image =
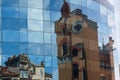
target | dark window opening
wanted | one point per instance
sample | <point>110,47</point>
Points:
<point>64,47</point>
<point>74,52</point>
<point>82,54</point>
<point>63,32</point>
<point>75,71</point>
<point>102,78</point>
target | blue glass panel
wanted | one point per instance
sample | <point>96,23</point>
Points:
<point>0,48</point>
<point>55,74</point>
<point>35,25</point>
<point>0,36</point>
<point>0,2</point>
<point>48,70</point>
<point>47,26</point>
<point>103,19</point>
<point>10,48</point>
<point>0,60</point>
<point>76,2</point>
<point>10,23</point>
<point>46,4</point>
<point>23,3</point>
<point>0,11</point>
<point>10,2</point>
<point>23,36</point>
<point>55,15</point>
<point>54,62</point>
<point>35,3</point>
<point>105,29</point>
<point>53,38</point>
<point>84,3</point>
<point>36,37</point>
<point>54,50</point>
<point>5,58</point>
<point>23,24</point>
<point>36,59</point>
<point>57,3</point>
<point>0,23</point>
<point>93,5</point>
<point>47,37</point>
<point>24,48</point>
<point>35,14</point>
<point>10,36</point>
<point>73,7</point>
<point>84,10</point>
<point>48,49</point>
<point>11,12</point>
<point>48,61</point>
<point>23,12</point>
<point>52,24</point>
<point>46,15</point>
<point>36,49</point>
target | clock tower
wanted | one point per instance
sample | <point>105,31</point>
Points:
<point>77,44</point>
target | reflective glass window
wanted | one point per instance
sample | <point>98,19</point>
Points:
<point>0,48</point>
<point>93,15</point>
<point>84,10</point>
<point>23,12</point>
<point>23,24</point>
<point>54,50</point>
<point>36,37</point>
<point>0,2</point>
<point>0,11</point>
<point>47,37</point>
<point>35,25</point>
<point>23,36</point>
<point>35,14</point>
<point>47,26</point>
<point>52,24</point>
<point>24,48</point>
<point>0,60</point>
<point>46,4</point>
<point>103,19</point>
<point>74,6</point>
<point>93,5</point>
<point>4,59</point>
<point>76,2</point>
<point>11,12</point>
<point>36,49</point>
<point>35,3</point>
<point>46,15</point>
<point>54,62</point>
<point>23,3</point>
<point>53,38</point>
<point>48,49</point>
<point>103,10</point>
<point>55,74</point>
<point>84,3</point>
<point>36,59</point>
<point>48,61</point>
<point>10,36</point>
<point>49,71</point>
<point>0,36</point>
<point>10,48</point>
<point>10,23</point>
<point>105,29</point>
<point>23,74</point>
<point>55,15</point>
<point>57,3</point>
<point>10,2</point>
<point>0,23</point>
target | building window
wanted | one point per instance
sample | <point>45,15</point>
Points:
<point>64,48</point>
<point>41,73</point>
<point>75,71</point>
<point>24,74</point>
<point>102,78</point>
<point>74,52</point>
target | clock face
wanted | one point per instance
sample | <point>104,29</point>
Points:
<point>77,28</point>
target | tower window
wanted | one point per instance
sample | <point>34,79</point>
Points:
<point>64,47</point>
<point>74,52</point>
<point>75,71</point>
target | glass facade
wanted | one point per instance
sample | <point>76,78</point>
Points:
<point>27,27</point>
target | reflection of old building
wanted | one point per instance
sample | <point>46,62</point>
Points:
<point>78,52</point>
<point>21,68</point>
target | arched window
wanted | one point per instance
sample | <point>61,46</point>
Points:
<point>64,48</point>
<point>74,52</point>
<point>75,71</point>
